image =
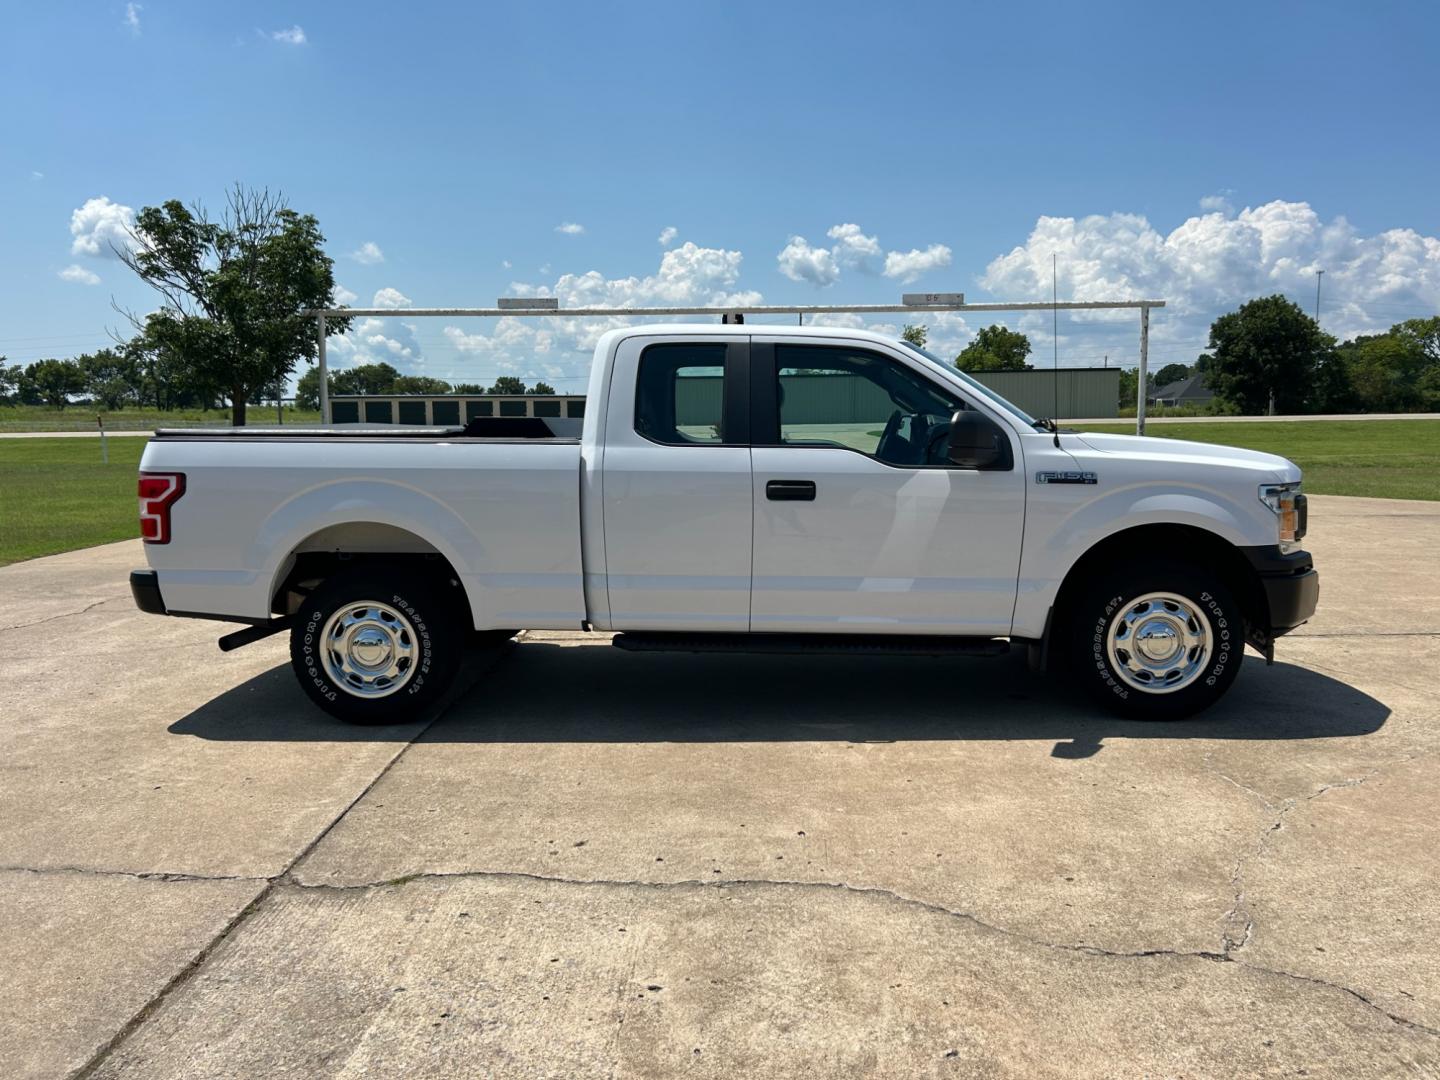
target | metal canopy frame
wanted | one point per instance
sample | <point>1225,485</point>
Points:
<point>1143,306</point>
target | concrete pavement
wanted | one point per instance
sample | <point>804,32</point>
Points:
<point>641,864</point>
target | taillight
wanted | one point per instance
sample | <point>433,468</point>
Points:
<point>158,492</point>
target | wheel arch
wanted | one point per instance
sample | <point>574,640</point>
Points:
<point>338,547</point>
<point>1185,542</point>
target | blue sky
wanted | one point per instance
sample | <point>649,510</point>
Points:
<point>802,153</point>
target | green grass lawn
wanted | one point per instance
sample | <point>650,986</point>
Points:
<point>77,418</point>
<point>55,495</point>
<point>1387,459</point>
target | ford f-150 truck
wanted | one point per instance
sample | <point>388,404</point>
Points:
<point>734,488</point>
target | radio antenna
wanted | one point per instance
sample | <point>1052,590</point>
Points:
<point>1055,345</point>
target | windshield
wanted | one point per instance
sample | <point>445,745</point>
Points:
<point>979,387</point>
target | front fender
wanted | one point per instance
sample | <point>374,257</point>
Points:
<point>1058,534</point>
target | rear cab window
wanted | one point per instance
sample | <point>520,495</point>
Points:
<point>680,394</point>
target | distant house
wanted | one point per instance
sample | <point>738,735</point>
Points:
<point>1191,391</point>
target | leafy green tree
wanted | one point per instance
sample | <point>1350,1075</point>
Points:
<point>56,380</point>
<point>1268,349</point>
<point>541,388</point>
<point>995,348</point>
<point>234,290</point>
<point>467,388</point>
<point>508,384</point>
<point>11,379</point>
<point>1172,373</point>
<point>362,379</point>
<point>419,384</point>
<point>1398,371</point>
<point>1129,380</point>
<point>915,334</point>
<point>307,390</point>
<point>112,377</point>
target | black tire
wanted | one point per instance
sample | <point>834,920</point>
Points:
<point>428,622</point>
<point>1113,596</point>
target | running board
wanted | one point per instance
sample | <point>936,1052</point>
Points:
<point>793,644</point>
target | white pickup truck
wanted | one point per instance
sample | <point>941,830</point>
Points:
<point>738,488</point>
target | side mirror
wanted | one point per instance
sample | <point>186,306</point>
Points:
<point>976,442</point>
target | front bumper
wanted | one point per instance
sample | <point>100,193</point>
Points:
<point>145,588</point>
<point>1292,587</point>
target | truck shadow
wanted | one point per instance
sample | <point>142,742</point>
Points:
<point>546,692</point>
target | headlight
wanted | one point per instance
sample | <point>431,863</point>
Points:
<point>1289,507</point>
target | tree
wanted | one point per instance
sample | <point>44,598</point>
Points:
<point>541,388</point>
<point>419,384</point>
<point>995,348</point>
<point>1172,373</point>
<point>1268,349</point>
<point>363,379</point>
<point>11,380</point>
<point>1397,371</point>
<point>467,388</point>
<point>112,377</point>
<point>234,290</point>
<point>55,381</point>
<point>307,390</point>
<point>915,334</point>
<point>507,384</point>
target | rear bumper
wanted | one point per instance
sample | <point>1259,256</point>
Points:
<point>1291,584</point>
<point>145,588</point>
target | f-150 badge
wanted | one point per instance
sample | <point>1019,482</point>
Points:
<point>1066,478</point>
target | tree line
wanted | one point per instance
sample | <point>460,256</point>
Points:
<point>1269,355</point>
<point>381,378</point>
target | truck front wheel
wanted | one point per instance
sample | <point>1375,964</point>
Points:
<point>1155,641</point>
<point>370,647</point>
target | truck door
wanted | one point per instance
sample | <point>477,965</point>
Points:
<point>676,484</point>
<point>861,523</point>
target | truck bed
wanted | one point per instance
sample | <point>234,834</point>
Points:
<point>481,429</point>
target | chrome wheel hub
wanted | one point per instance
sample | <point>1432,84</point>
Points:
<point>369,649</point>
<point>1159,643</point>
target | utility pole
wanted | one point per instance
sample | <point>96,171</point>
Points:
<point>1318,275</point>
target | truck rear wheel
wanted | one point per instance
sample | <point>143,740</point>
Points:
<point>372,647</point>
<point>1159,640</point>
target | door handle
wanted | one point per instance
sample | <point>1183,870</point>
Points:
<point>790,491</point>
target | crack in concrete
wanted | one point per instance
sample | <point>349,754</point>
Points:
<point>886,894</point>
<point>185,974</point>
<point>139,875</point>
<point>62,615</point>
<point>1230,941</point>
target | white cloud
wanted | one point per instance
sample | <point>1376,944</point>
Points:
<point>1211,263</point>
<point>344,297</point>
<point>390,298</point>
<point>559,348</point>
<point>372,340</point>
<point>570,228</point>
<point>505,264</point>
<point>909,265</point>
<point>37,175</point>
<point>801,262</point>
<point>78,275</point>
<point>853,249</point>
<point>1217,204</point>
<point>667,235</point>
<point>368,253</point>
<point>293,36</point>
<point>99,224</point>
<point>132,17</point>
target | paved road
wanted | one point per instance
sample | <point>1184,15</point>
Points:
<point>641,865</point>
